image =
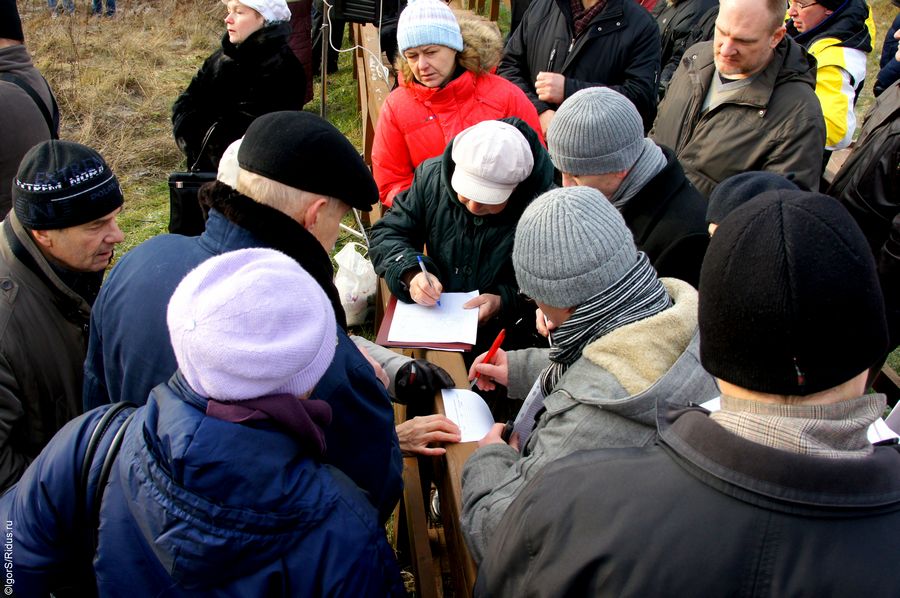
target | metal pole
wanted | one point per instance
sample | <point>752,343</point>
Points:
<point>326,42</point>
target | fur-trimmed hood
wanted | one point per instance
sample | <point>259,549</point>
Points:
<point>482,46</point>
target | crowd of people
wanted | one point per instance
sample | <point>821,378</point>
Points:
<point>634,189</point>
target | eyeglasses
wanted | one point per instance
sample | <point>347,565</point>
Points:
<point>800,5</point>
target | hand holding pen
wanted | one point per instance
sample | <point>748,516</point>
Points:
<point>425,288</point>
<point>491,368</point>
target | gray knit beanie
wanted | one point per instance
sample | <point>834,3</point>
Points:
<point>595,131</point>
<point>571,243</point>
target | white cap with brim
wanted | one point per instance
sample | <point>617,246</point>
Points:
<point>491,159</point>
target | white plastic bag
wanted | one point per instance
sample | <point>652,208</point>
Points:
<point>355,281</point>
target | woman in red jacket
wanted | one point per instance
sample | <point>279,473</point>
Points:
<point>446,84</point>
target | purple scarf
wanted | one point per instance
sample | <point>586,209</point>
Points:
<point>303,418</point>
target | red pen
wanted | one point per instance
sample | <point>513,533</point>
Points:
<point>491,352</point>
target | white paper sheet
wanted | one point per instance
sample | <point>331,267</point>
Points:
<point>468,411</point>
<point>447,323</point>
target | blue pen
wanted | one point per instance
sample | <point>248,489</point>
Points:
<point>427,277</point>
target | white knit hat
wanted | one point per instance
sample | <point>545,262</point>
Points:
<point>271,10</point>
<point>490,159</point>
<point>251,323</point>
<point>427,22</point>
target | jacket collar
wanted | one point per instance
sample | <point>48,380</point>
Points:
<point>725,460</point>
<point>259,45</point>
<point>236,222</point>
<point>458,91</point>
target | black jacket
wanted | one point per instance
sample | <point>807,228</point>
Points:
<point>619,50</point>
<point>676,20</point>
<point>233,87</point>
<point>668,220</point>
<point>868,184</point>
<point>466,252</point>
<point>702,513</point>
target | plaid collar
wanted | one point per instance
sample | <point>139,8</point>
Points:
<point>582,16</point>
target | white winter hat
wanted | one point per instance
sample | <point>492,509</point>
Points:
<point>271,10</point>
<point>490,159</point>
<point>251,323</point>
<point>228,165</point>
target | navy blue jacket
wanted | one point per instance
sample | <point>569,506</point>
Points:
<point>129,351</point>
<point>196,506</point>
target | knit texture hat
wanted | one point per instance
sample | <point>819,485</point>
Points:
<point>739,189</point>
<point>789,297</point>
<point>427,22</point>
<point>10,23</point>
<point>571,243</point>
<point>271,10</point>
<point>61,184</point>
<point>490,159</point>
<point>228,165</point>
<point>595,131</point>
<point>306,152</point>
<point>251,323</point>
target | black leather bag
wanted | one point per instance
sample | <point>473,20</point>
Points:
<point>186,216</point>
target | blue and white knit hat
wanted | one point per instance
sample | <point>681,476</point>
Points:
<point>426,22</point>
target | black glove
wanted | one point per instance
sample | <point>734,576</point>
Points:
<point>418,380</point>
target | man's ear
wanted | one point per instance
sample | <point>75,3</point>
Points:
<point>311,214</point>
<point>778,36</point>
<point>42,238</point>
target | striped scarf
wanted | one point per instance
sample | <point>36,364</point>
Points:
<point>635,296</point>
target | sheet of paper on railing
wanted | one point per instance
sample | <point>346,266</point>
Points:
<point>468,411</point>
<point>445,328</point>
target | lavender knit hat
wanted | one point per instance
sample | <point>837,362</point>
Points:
<point>251,323</point>
<point>427,22</point>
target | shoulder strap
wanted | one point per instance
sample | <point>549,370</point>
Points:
<point>100,430</point>
<point>52,120</point>
<point>203,145</point>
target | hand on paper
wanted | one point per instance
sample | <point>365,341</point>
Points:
<point>544,327</point>
<point>417,433</point>
<point>488,306</point>
<point>379,371</point>
<point>550,87</point>
<point>491,373</point>
<point>424,293</point>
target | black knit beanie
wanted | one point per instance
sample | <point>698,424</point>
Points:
<point>832,4</point>
<point>306,152</point>
<point>61,184</point>
<point>10,23</point>
<point>739,189</point>
<point>790,302</point>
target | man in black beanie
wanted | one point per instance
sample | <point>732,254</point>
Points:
<point>778,493</point>
<point>54,247</point>
<point>28,112</point>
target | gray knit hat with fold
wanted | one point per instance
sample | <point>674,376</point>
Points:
<point>595,131</point>
<point>571,243</point>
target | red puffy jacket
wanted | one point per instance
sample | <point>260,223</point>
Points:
<point>417,123</point>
